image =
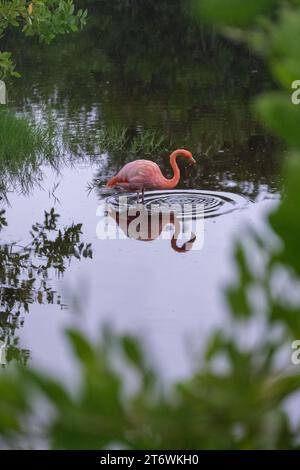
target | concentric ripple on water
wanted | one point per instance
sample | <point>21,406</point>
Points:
<point>187,203</point>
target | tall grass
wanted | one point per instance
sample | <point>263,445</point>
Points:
<point>20,140</point>
<point>113,139</point>
<point>147,142</point>
<point>23,147</point>
<point>144,142</point>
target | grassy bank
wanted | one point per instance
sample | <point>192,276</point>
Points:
<point>20,140</point>
<point>23,147</point>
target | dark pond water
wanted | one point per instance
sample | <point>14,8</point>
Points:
<point>124,71</point>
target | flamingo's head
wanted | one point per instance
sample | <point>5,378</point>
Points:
<point>187,154</point>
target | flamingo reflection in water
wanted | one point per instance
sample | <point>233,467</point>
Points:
<point>143,224</point>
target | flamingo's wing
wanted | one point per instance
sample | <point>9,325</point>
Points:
<point>139,174</point>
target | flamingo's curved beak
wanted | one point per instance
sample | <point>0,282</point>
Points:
<point>192,160</point>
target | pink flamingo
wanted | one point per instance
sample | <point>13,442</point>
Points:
<point>145,174</point>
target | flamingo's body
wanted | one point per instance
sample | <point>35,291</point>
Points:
<point>145,174</point>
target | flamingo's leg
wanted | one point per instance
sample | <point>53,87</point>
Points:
<point>143,190</point>
<point>138,197</point>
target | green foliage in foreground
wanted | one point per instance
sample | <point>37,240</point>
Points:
<point>238,403</point>
<point>236,13</point>
<point>43,18</point>
<point>236,408</point>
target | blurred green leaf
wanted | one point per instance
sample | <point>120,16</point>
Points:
<point>51,389</point>
<point>277,111</point>
<point>81,347</point>
<point>237,294</point>
<point>214,346</point>
<point>132,351</point>
<point>285,221</point>
<point>231,12</point>
<point>14,403</point>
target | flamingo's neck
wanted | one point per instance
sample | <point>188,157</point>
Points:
<point>172,182</point>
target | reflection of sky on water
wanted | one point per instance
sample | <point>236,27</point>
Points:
<point>172,300</point>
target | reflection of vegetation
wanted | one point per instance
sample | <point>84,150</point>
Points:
<point>24,272</point>
<point>145,142</point>
<point>123,71</point>
<point>23,146</point>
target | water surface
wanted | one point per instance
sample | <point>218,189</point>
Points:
<point>116,74</point>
